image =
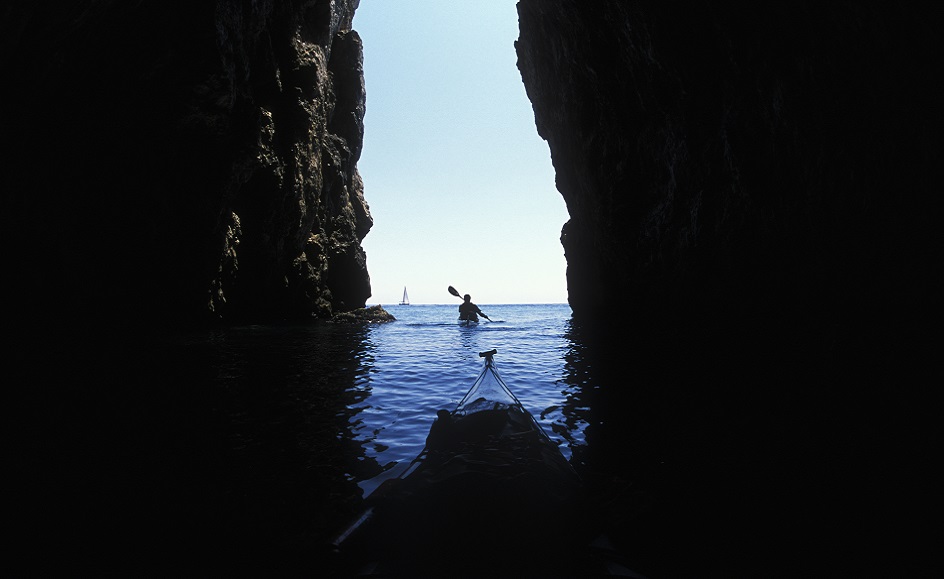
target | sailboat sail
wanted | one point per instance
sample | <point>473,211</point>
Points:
<point>406,299</point>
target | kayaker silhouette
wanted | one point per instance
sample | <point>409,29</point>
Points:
<point>468,310</point>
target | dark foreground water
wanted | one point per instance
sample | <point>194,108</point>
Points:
<point>244,450</point>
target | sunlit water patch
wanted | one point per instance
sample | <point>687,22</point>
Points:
<point>426,361</point>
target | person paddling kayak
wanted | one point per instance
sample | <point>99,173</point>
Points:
<point>469,311</point>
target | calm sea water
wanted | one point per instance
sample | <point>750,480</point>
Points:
<point>426,361</point>
<point>288,426</point>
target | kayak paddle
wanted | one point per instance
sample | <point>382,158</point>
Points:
<point>456,293</point>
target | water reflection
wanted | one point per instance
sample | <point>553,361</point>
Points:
<point>628,402</point>
<point>682,433</point>
<point>278,439</point>
<point>635,400</point>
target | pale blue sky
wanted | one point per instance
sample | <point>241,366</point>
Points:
<point>460,185</point>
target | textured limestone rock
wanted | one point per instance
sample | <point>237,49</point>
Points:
<point>371,315</point>
<point>186,161</point>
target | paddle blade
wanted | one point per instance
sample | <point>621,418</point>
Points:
<point>454,292</point>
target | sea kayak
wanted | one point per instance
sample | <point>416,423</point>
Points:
<point>490,495</point>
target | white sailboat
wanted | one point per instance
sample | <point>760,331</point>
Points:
<point>406,299</point>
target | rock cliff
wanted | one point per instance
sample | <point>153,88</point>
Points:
<point>177,161</point>
<point>763,168</point>
<point>753,194</point>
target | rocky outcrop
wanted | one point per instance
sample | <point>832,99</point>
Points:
<point>369,315</point>
<point>184,161</point>
<point>770,169</point>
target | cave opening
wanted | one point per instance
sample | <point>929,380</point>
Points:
<point>459,182</point>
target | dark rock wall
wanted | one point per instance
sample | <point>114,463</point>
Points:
<point>184,160</point>
<point>751,166</point>
<point>754,253</point>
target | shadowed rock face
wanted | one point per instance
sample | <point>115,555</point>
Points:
<point>763,168</point>
<point>182,161</point>
<point>753,197</point>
